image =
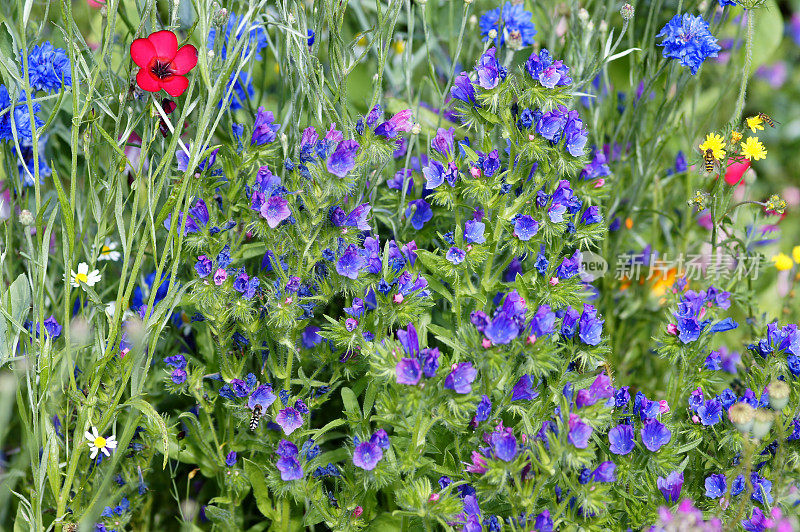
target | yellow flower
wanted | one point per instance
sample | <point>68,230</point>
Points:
<point>796,254</point>
<point>782,262</point>
<point>716,144</point>
<point>399,46</point>
<point>735,137</point>
<point>755,123</point>
<point>753,149</point>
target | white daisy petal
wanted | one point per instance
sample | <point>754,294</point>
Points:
<point>94,453</point>
<point>105,451</point>
<point>88,436</point>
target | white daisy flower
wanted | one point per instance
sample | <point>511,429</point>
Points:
<point>84,275</point>
<point>98,443</point>
<point>108,251</point>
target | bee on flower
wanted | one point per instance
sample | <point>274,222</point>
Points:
<point>755,123</point>
<point>715,143</point>
<point>98,443</point>
<point>84,276</point>
<point>109,251</point>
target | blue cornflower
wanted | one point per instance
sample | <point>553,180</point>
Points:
<point>686,37</point>
<point>256,36</point>
<point>511,22</point>
<point>49,68</point>
<point>26,165</point>
<point>22,119</point>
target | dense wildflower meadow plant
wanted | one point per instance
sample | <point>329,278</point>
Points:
<point>395,265</point>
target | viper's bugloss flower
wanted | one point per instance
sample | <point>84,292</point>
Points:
<point>262,396</point>
<point>504,445</point>
<point>463,89</point>
<point>343,159</point>
<point>419,212</point>
<point>670,486</point>
<point>230,459</point>
<point>161,64</point>
<point>655,434</point>
<point>461,377</point>
<point>591,216</point>
<point>511,22</point>
<point>444,142</point>
<point>49,68</point>
<point>288,464</point>
<point>490,71</point>
<point>366,455</point>
<point>436,173</point>
<point>264,128</point>
<point>483,410</point>
<point>350,262</point>
<point>401,176</point>
<point>686,38</point>
<point>570,266</point>
<point>549,73</point>
<point>579,432</point>
<point>289,419</point>
<point>473,232</point>
<point>621,440</point>
<point>456,255</point>
<point>400,122</point>
<point>716,486</point>
<point>590,326</point>
<point>274,210</point>
<point>408,371</point>
<point>525,227</point>
<point>710,412</point>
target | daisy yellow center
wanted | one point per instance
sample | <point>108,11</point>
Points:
<point>105,250</point>
<point>81,277</point>
<point>99,442</point>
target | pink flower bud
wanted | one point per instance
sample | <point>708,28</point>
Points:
<point>397,298</point>
<point>672,329</point>
<point>599,183</point>
<point>357,511</point>
<point>475,172</point>
<point>486,343</point>
<point>434,497</point>
<point>553,281</point>
<point>531,339</point>
<point>663,406</point>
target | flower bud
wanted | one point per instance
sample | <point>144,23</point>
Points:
<point>583,15</point>
<point>627,12</point>
<point>26,218</point>
<point>778,394</point>
<point>468,2</point>
<point>415,129</point>
<point>762,422</point>
<point>492,34</point>
<point>741,415</point>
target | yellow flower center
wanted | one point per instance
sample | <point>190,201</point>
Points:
<point>99,442</point>
<point>105,250</point>
<point>81,277</point>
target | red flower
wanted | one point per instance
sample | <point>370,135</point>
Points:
<point>162,65</point>
<point>736,170</point>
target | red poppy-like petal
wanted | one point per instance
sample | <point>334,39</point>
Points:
<point>175,85</point>
<point>147,81</point>
<point>185,60</point>
<point>142,52</point>
<point>736,170</point>
<point>165,43</point>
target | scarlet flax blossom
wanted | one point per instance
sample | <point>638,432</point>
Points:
<point>161,64</point>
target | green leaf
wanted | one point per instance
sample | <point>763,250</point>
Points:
<point>767,33</point>
<point>220,516</point>
<point>351,403</point>
<point>260,491</point>
<point>147,409</point>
